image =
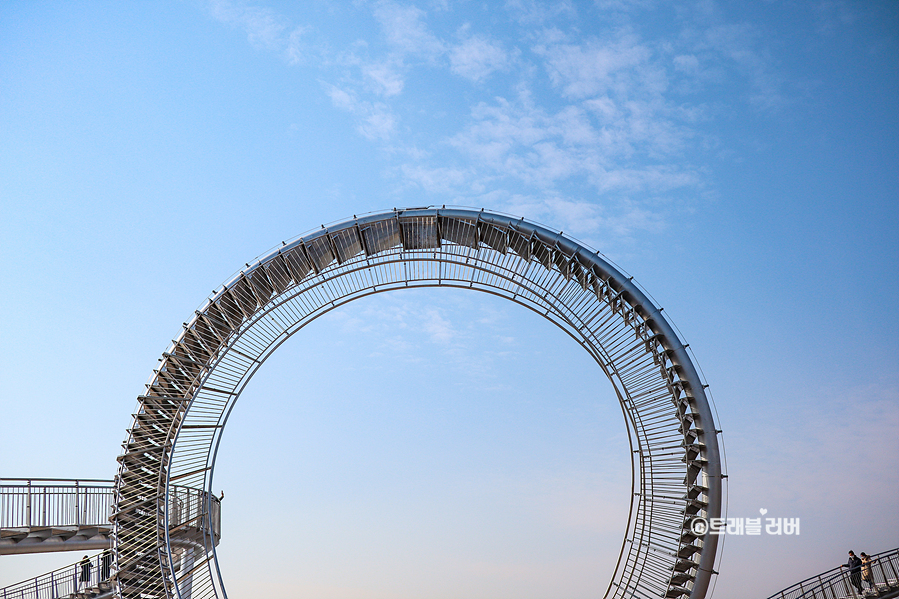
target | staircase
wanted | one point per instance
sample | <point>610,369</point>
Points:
<point>88,579</point>
<point>836,583</point>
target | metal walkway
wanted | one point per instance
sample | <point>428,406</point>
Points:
<point>40,515</point>
<point>47,515</point>
<point>838,584</point>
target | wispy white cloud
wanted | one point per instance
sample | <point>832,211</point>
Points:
<point>438,328</point>
<point>439,179</point>
<point>624,5</point>
<point>477,57</point>
<point>534,12</point>
<point>736,43</point>
<point>297,51</point>
<point>686,63</point>
<point>405,30</point>
<point>605,115</point>
<point>268,29</point>
<point>715,51</point>
<point>384,78</point>
<point>375,121</point>
<point>599,67</point>
<point>832,15</point>
<point>522,141</point>
<point>621,219</point>
<point>263,26</point>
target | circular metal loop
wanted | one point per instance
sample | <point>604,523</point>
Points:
<point>177,429</point>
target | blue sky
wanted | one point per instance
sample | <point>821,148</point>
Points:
<point>739,159</point>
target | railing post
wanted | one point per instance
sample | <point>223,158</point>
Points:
<point>28,507</point>
<point>892,567</point>
<point>77,511</point>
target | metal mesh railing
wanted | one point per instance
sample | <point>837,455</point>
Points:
<point>92,573</point>
<point>879,577</point>
<point>47,502</point>
<point>51,502</point>
<point>195,515</point>
<point>188,511</point>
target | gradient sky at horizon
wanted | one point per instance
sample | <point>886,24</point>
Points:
<point>740,160</point>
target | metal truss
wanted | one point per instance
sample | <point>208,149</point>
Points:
<point>178,425</point>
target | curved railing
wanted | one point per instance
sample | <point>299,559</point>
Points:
<point>92,577</point>
<point>837,583</point>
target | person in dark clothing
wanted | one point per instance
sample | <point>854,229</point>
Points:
<point>105,564</point>
<point>855,571</point>
<point>85,578</point>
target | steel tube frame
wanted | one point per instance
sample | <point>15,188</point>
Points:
<point>174,440</point>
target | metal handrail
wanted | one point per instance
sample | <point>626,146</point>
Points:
<point>188,514</point>
<point>836,582</point>
<point>66,581</point>
<point>76,503</point>
<point>55,502</point>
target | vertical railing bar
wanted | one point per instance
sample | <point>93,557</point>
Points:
<point>28,505</point>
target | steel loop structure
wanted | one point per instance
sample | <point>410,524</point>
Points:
<point>178,426</point>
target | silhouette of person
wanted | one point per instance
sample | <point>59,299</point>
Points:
<point>85,578</point>
<point>855,571</point>
<point>105,564</point>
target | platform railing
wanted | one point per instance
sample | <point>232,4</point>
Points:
<point>46,502</point>
<point>837,583</point>
<point>187,509</point>
<point>92,573</point>
<point>193,515</point>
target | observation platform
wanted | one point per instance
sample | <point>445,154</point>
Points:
<point>40,515</point>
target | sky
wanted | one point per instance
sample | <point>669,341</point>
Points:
<point>740,160</point>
